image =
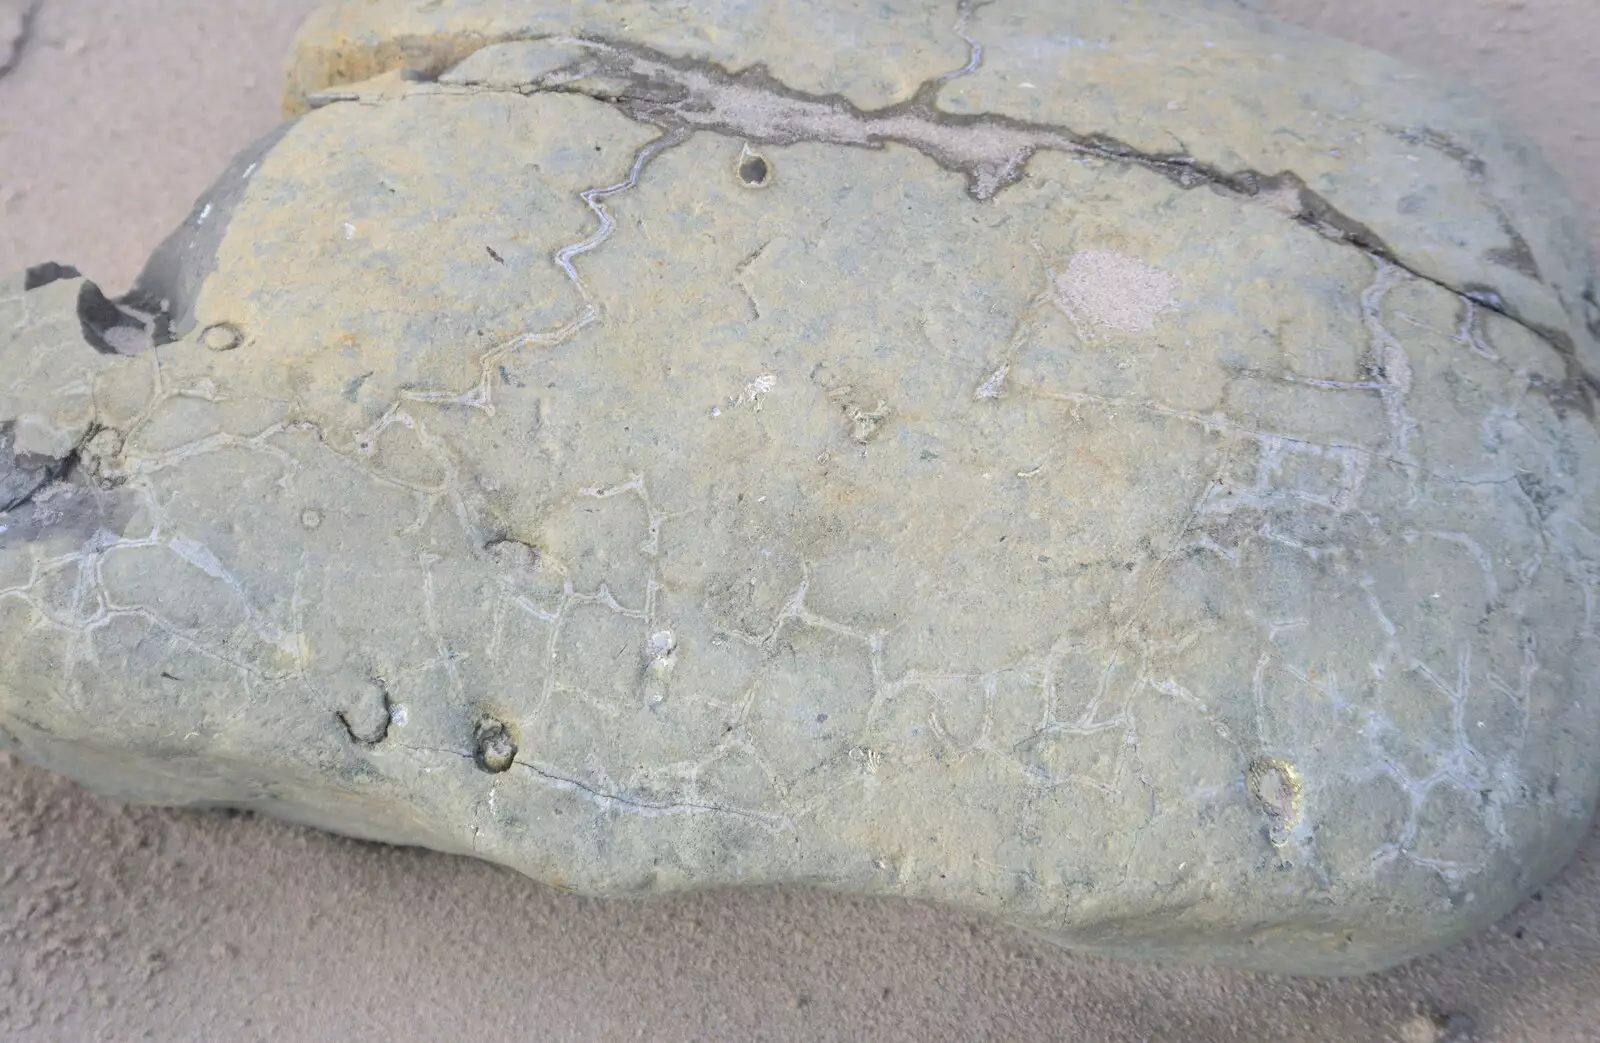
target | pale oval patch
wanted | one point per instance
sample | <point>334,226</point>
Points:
<point>1109,289</point>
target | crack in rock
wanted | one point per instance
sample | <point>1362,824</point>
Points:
<point>991,150</point>
<point>24,475</point>
<point>32,477</point>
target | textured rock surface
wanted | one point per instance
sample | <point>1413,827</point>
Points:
<point>1132,555</point>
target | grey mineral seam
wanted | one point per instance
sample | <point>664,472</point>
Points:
<point>992,151</point>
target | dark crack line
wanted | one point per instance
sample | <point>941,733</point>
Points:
<point>24,37</point>
<point>991,150</point>
<point>35,482</point>
<point>464,755</point>
<point>22,480</point>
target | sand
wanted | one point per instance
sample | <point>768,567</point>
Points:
<point>122,923</point>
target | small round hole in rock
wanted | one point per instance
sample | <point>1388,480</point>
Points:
<point>754,170</point>
<point>493,748</point>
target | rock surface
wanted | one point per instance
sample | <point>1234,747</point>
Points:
<point>1128,478</point>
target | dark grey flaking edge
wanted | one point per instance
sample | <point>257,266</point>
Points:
<point>99,316</point>
<point>23,475</point>
<point>171,279</point>
<point>41,275</point>
<point>158,310</point>
<point>82,507</point>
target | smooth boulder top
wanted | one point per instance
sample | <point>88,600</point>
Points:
<point>1422,169</point>
<point>1120,468</point>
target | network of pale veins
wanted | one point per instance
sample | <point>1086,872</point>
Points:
<point>91,607</point>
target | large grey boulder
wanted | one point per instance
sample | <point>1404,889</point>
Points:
<point>1124,468</point>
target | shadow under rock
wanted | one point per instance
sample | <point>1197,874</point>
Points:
<point>275,931</point>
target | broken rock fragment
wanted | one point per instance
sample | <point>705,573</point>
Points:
<point>1128,472</point>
